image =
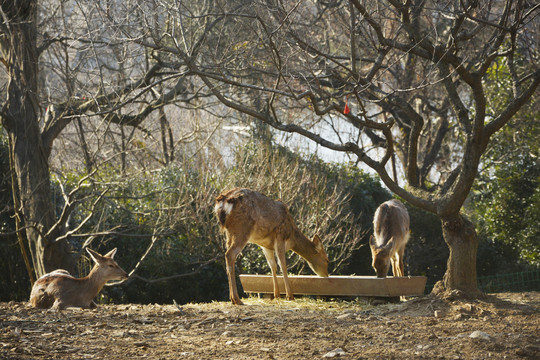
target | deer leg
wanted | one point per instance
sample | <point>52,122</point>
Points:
<point>395,265</point>
<point>237,238</point>
<point>397,262</point>
<point>401,252</point>
<point>58,305</point>
<point>271,259</point>
<point>280,252</point>
<point>230,259</point>
<point>399,265</point>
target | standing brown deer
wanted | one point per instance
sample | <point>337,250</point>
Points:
<point>58,289</point>
<point>391,228</point>
<point>249,216</point>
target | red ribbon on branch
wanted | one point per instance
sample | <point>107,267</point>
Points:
<point>346,110</point>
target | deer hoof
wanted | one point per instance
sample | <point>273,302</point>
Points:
<point>237,301</point>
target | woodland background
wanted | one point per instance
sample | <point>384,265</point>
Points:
<point>336,200</point>
<point>146,144</point>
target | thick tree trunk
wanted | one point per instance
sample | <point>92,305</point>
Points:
<point>34,193</point>
<point>460,236</point>
<point>21,119</point>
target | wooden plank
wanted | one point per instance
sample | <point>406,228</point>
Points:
<point>338,285</point>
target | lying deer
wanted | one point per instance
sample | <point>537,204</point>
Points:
<point>391,227</point>
<point>58,289</point>
<point>249,216</point>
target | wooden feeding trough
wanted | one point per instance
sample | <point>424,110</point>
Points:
<point>338,285</point>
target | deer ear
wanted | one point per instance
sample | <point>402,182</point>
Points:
<point>389,244</point>
<point>318,243</point>
<point>372,242</point>
<point>110,254</point>
<point>94,255</point>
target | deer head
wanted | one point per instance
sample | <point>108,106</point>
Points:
<point>381,256</point>
<point>106,268</point>
<point>319,262</point>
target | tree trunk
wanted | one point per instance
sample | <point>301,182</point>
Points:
<point>30,160</point>
<point>460,236</point>
<point>33,182</point>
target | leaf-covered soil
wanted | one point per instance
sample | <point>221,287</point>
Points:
<point>501,326</point>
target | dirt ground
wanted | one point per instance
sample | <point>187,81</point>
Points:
<point>501,326</point>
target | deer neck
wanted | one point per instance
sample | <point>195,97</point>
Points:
<point>302,245</point>
<point>93,282</point>
<point>384,240</point>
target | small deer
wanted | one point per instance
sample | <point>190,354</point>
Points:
<point>249,216</point>
<point>58,289</point>
<point>391,227</point>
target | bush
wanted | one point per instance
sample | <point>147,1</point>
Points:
<point>166,212</point>
<point>506,209</point>
<point>316,196</point>
<point>171,211</point>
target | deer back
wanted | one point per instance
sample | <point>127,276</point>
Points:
<point>391,233</point>
<point>391,221</point>
<point>246,211</point>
